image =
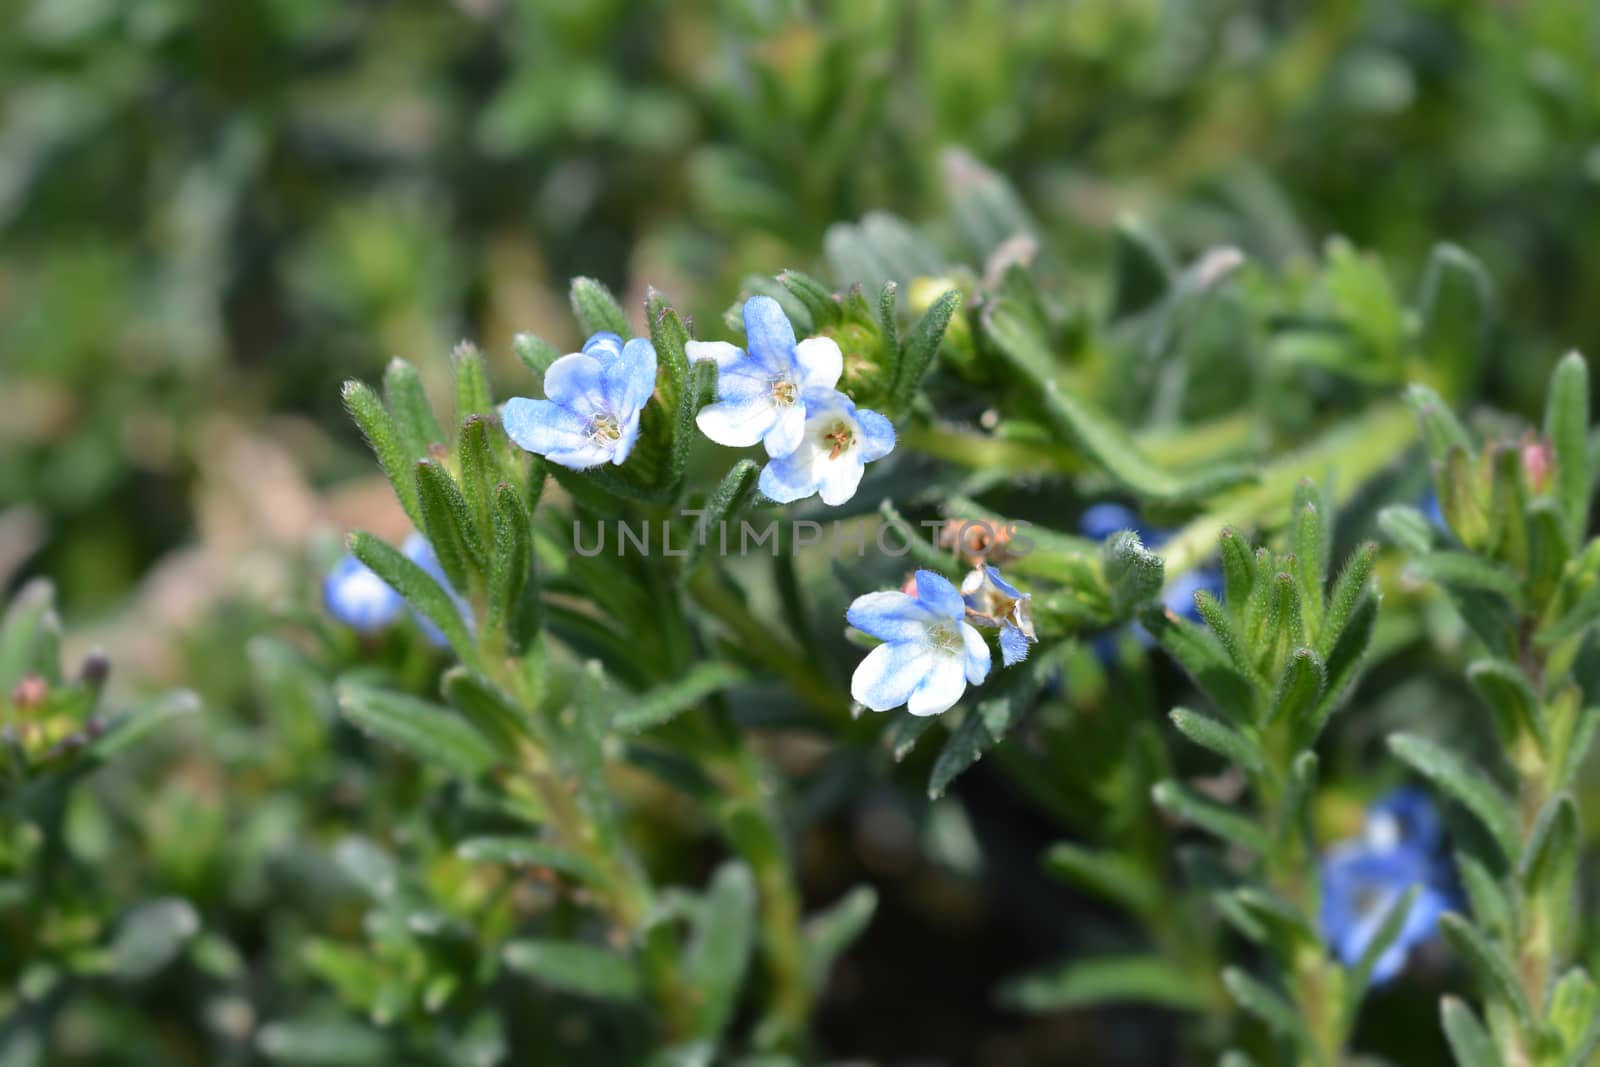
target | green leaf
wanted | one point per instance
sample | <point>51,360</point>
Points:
<point>1456,305</point>
<point>1511,697</point>
<point>418,588</point>
<point>1549,870</point>
<point>1348,591</point>
<point>447,521</point>
<point>1441,430</point>
<point>327,1042</point>
<point>1142,268</point>
<point>1359,977</point>
<point>816,297</point>
<point>1469,1041</point>
<point>480,473</point>
<point>1100,437</point>
<point>829,932</point>
<point>129,728</point>
<point>424,731</point>
<point>513,593</point>
<point>1566,424</point>
<point>1464,570</point>
<point>596,309</point>
<point>1265,1003</point>
<point>921,346</point>
<point>536,353</point>
<point>1085,983</point>
<point>719,950</point>
<point>1209,816</point>
<point>661,705</point>
<point>698,387</point>
<point>1408,528</point>
<point>490,711</point>
<point>473,396</point>
<point>151,935</point>
<point>529,852</point>
<point>725,503</point>
<point>1106,874</point>
<point>1200,655</point>
<point>574,967</point>
<point>408,404</point>
<point>1491,910</point>
<point>1575,1011</point>
<point>1298,697</point>
<point>888,322</point>
<point>1496,974</point>
<point>1470,786</point>
<point>1133,573</point>
<point>1220,738</point>
<point>383,437</point>
<point>670,338</point>
<point>1238,567</point>
<point>1228,636</point>
<point>1311,537</point>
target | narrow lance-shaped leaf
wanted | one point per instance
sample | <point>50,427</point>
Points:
<point>1495,973</point>
<point>832,930</point>
<point>417,587</point>
<point>378,426</point>
<point>513,595</point>
<point>670,338</point>
<point>596,309</point>
<point>536,353</point>
<point>473,396</point>
<point>1469,1041</point>
<point>713,531</point>
<point>1467,784</point>
<point>422,730</point>
<point>1311,539</point>
<point>1566,424</point>
<point>719,950</point>
<point>448,523</point>
<point>408,403</point>
<point>575,967</point>
<point>816,297</point>
<point>665,702</point>
<point>491,712</point>
<point>1512,699</point>
<point>1220,738</point>
<point>1210,816</point>
<point>920,348</point>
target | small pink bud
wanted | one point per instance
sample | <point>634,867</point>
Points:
<point>1538,460</point>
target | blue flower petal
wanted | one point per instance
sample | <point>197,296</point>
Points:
<point>890,673</point>
<point>628,433</point>
<point>1001,584</point>
<point>553,431</point>
<point>977,659</point>
<point>576,382</point>
<point>877,435</point>
<point>890,616</point>
<point>768,335</point>
<point>936,591</point>
<point>1178,597</point>
<point>744,382</point>
<point>628,381</point>
<point>604,346</point>
<point>1100,521</point>
<point>787,479</point>
<point>357,597</point>
<point>1013,645</point>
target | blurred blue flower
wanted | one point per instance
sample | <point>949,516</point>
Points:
<point>419,551</point>
<point>837,443</point>
<point>1100,521</point>
<point>1429,504</point>
<point>993,601</point>
<point>591,415</point>
<point>763,393</point>
<point>1402,845</point>
<point>929,651</point>
<point>357,597</point>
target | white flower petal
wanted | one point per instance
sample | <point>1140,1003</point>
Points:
<point>721,353</point>
<point>821,362</point>
<point>890,674</point>
<point>940,688</point>
<point>737,425</point>
<point>976,661</point>
<point>840,478</point>
<point>787,431</point>
<point>890,616</point>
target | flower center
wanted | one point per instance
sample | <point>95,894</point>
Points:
<point>944,637</point>
<point>603,430</point>
<point>839,437</point>
<point>784,392</point>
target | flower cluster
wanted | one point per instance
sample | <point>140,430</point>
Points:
<point>1401,846</point>
<point>782,393</point>
<point>357,597</point>
<point>1101,521</point>
<point>931,645</point>
<point>778,391</point>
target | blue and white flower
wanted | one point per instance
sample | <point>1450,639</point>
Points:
<point>762,392</point>
<point>993,601</point>
<point>1401,846</point>
<point>357,597</point>
<point>591,414</point>
<point>836,444</point>
<point>929,652</point>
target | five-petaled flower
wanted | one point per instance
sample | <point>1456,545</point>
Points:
<point>929,651</point>
<point>993,601</point>
<point>1401,846</point>
<point>591,414</point>
<point>838,441</point>
<point>762,393</point>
